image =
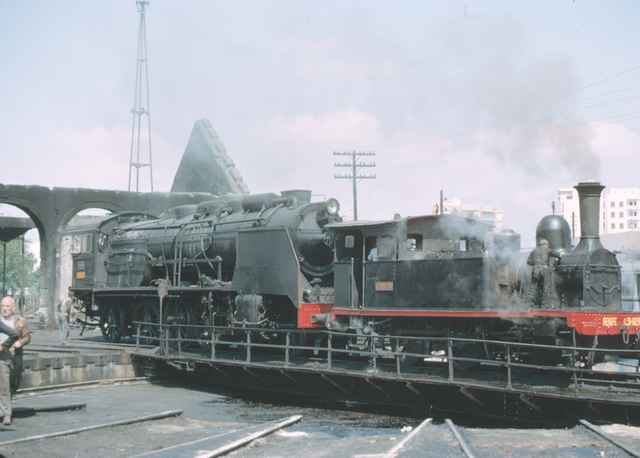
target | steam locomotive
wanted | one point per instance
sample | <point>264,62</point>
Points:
<point>234,259</point>
<point>279,260</point>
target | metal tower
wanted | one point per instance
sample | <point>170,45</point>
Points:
<point>140,151</point>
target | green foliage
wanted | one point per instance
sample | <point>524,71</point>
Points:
<point>21,270</point>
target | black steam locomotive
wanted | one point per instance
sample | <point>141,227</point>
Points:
<point>282,261</point>
<point>444,275</point>
<point>235,259</point>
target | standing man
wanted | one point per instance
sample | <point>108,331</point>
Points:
<point>14,335</point>
<point>542,289</point>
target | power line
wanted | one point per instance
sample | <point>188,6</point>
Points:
<point>606,94</point>
<point>140,111</point>
<point>613,100</point>
<point>612,76</point>
<point>354,176</point>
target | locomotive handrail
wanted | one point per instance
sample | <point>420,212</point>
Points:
<point>374,353</point>
<point>410,338</point>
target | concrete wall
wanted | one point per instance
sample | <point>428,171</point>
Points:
<point>43,370</point>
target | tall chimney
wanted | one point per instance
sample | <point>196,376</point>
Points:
<point>589,196</point>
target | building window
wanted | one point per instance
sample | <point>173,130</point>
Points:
<point>613,225</point>
<point>613,214</point>
<point>621,225</point>
<point>621,204</point>
<point>621,214</point>
<point>613,204</point>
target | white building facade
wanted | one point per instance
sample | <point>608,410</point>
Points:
<point>619,210</point>
<point>491,216</point>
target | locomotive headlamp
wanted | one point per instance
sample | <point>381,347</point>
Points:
<point>333,207</point>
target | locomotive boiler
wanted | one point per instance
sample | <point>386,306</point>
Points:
<point>191,244</point>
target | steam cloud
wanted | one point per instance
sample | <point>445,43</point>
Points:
<point>531,119</point>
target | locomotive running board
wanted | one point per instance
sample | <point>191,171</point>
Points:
<point>588,323</point>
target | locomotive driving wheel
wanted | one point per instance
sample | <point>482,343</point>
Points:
<point>182,313</point>
<point>110,325</point>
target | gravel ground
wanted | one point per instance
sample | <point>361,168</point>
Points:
<point>321,433</point>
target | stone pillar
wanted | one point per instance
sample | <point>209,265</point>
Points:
<point>48,277</point>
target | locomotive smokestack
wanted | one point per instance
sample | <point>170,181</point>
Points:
<point>589,195</point>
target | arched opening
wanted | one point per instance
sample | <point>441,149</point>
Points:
<point>21,246</point>
<point>77,236</point>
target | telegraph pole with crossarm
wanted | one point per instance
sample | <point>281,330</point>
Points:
<point>354,176</point>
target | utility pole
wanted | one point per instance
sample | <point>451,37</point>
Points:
<point>24,275</point>
<point>4,268</point>
<point>140,116</point>
<point>353,175</point>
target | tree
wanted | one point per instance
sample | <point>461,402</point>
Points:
<point>22,272</point>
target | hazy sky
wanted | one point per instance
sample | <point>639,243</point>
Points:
<point>498,102</point>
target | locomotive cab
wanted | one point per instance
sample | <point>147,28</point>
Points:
<point>425,261</point>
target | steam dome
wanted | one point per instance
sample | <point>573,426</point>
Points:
<point>555,229</point>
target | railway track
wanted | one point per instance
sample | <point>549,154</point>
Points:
<point>620,445</point>
<point>223,443</point>
<point>49,389</point>
<point>83,429</point>
<point>430,438</point>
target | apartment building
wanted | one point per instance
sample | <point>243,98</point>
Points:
<point>619,210</point>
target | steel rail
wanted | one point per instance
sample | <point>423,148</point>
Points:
<point>26,392</point>
<point>235,445</point>
<point>169,451</point>
<point>461,441</point>
<point>171,448</point>
<point>393,452</point>
<point>53,408</point>
<point>68,432</point>
<point>593,428</point>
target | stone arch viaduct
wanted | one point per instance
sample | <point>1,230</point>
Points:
<point>52,208</point>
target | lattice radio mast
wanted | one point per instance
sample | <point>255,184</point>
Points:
<point>140,116</point>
